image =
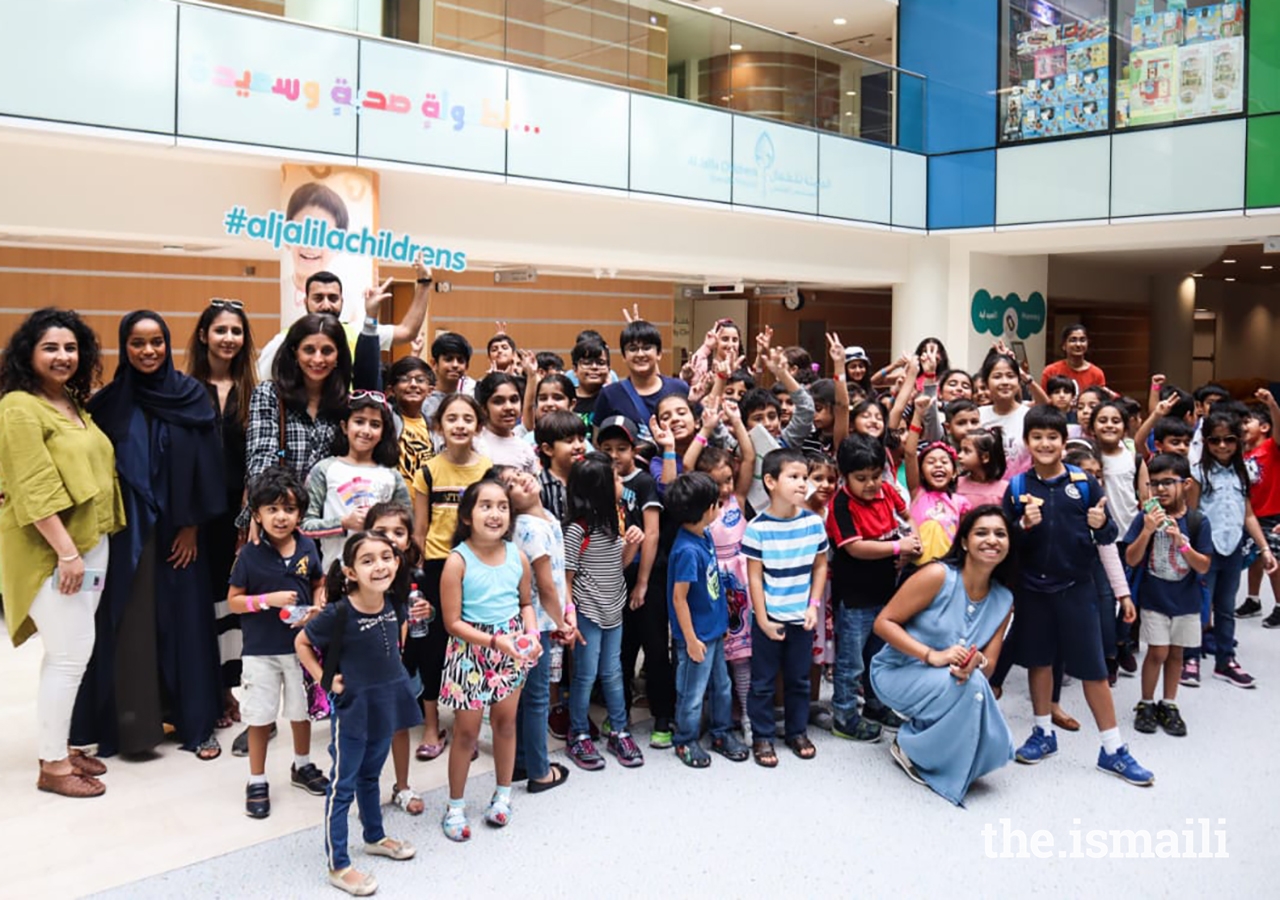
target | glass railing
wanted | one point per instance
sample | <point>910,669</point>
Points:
<point>657,46</point>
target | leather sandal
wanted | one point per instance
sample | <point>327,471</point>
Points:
<point>71,785</point>
<point>84,764</point>
<point>1065,722</point>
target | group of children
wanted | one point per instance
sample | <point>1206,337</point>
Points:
<point>502,547</point>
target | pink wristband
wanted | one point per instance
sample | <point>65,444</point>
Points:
<point>897,548</point>
<point>1185,548</point>
<point>701,439</point>
<point>815,601</point>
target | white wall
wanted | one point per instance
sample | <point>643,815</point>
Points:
<point>1248,328</point>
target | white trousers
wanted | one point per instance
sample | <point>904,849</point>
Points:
<point>66,625</point>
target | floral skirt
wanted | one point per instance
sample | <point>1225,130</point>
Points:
<point>475,677</point>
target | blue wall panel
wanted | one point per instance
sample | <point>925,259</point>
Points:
<point>962,190</point>
<point>955,44</point>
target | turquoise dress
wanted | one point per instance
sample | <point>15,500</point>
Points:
<point>955,733</point>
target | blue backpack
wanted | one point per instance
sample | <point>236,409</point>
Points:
<point>1018,489</point>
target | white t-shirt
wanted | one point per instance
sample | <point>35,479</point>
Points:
<point>507,451</point>
<point>1016,455</point>
<point>335,488</point>
<point>540,536</point>
<point>267,355</point>
<point>1117,478</point>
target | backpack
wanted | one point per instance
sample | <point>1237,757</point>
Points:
<point>1195,519</point>
<point>1018,488</point>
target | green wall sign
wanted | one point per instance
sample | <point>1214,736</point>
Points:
<point>1008,316</point>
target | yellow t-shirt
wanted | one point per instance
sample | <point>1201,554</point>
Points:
<point>443,483</point>
<point>415,447</point>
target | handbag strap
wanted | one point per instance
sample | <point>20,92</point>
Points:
<point>333,653</point>
<point>282,429</point>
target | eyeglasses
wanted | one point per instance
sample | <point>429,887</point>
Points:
<point>413,379</point>
<point>1229,440</point>
<point>1158,483</point>
<point>593,363</point>
<point>638,348</point>
<point>223,303</point>
<point>375,396</point>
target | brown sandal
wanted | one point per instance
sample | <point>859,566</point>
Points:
<point>70,785</point>
<point>84,764</point>
<point>764,754</point>
<point>802,747</point>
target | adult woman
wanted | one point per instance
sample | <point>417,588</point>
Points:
<point>221,357</point>
<point>1075,344</point>
<point>943,630</point>
<point>62,500</point>
<point>156,655</point>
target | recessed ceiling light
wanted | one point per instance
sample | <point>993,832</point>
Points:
<point>848,113</point>
<point>851,93</point>
<point>839,21</point>
<point>735,47</point>
<point>1228,279</point>
<point>1229,261</point>
<point>1266,268</point>
<point>725,99</point>
<point>1197,274</point>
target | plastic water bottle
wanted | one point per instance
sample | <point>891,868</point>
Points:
<point>293,614</point>
<point>557,663</point>
<point>418,628</point>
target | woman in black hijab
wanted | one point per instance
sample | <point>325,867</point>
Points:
<point>156,656</point>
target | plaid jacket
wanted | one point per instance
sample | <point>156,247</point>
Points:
<point>306,440</point>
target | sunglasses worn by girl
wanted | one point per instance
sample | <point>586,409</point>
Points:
<point>1229,440</point>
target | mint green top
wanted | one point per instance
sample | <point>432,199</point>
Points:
<point>49,465</point>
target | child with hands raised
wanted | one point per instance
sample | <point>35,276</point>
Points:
<point>936,509</point>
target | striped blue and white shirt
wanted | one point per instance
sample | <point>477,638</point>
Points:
<point>786,549</point>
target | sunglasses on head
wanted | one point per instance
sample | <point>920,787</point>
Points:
<point>223,303</point>
<point>375,396</point>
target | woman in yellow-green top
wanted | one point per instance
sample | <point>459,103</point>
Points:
<point>62,499</point>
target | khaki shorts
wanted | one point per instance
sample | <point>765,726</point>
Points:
<point>1160,630</point>
<point>263,679</point>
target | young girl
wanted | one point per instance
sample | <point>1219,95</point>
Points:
<point>981,460</point>
<point>677,429</point>
<point>1000,372</point>
<point>734,478</point>
<point>824,479</point>
<point>1089,400</point>
<point>488,612</point>
<point>362,471</point>
<point>981,394</point>
<point>371,698</point>
<point>436,490</point>
<point>502,438</point>
<point>868,418</point>
<point>555,391</point>
<point>411,382</point>
<point>1221,491</point>
<point>1124,474</point>
<point>395,522</point>
<point>936,508</point>
<point>596,553</point>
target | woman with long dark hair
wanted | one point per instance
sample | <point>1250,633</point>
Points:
<point>221,356</point>
<point>944,629</point>
<point>62,500</point>
<point>156,655</point>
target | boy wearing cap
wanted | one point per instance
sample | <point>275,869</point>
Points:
<point>641,623</point>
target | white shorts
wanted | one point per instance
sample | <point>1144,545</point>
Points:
<point>1169,631</point>
<point>263,678</point>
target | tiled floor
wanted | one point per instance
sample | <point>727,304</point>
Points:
<point>848,823</point>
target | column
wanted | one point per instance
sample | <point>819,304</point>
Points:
<point>1173,308</point>
<point>920,302</point>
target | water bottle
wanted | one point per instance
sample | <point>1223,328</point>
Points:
<point>557,663</point>
<point>293,614</point>
<point>418,628</point>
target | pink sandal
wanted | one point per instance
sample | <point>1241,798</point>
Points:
<point>428,752</point>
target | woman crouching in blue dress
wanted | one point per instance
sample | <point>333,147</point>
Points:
<point>943,630</point>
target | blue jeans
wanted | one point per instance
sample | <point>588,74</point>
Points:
<point>1222,581</point>
<point>791,656</point>
<point>358,758</point>
<point>692,680</point>
<point>855,642</point>
<point>600,655</point>
<point>531,716</point>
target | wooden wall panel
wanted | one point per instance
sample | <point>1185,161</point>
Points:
<point>861,318</point>
<point>1119,341</point>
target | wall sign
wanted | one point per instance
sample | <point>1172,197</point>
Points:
<point>1008,316</point>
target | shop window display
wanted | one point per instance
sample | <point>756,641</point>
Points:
<point>1056,68</point>
<point>1179,59</point>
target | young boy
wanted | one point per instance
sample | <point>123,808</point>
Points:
<point>1262,457</point>
<point>637,396</point>
<point>1173,436</point>
<point>870,545</point>
<point>1062,394</point>
<point>761,407</point>
<point>549,364</point>
<point>786,551</point>
<point>962,417</point>
<point>700,612</point>
<point>503,355</point>
<point>561,440</point>
<point>281,569</point>
<point>1168,547</point>
<point>830,415</point>
<point>450,356</point>
<point>1057,606</point>
<point>590,361</point>
<point>539,537</point>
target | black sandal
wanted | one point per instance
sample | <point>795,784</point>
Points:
<point>692,756</point>
<point>802,747</point>
<point>209,749</point>
<point>559,775</point>
<point>732,750</point>
<point>764,754</point>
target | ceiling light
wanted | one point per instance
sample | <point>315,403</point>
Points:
<point>1197,274</point>
<point>735,47</point>
<point>848,113</point>
<point>839,21</point>
<point>716,10</point>
<point>1229,262</point>
<point>1228,279</point>
<point>851,93</point>
<point>1266,268</point>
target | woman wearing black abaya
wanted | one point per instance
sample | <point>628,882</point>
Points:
<point>156,655</point>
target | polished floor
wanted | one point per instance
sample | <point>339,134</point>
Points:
<point>848,823</point>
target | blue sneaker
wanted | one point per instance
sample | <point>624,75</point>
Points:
<point>1039,746</point>
<point>1122,765</point>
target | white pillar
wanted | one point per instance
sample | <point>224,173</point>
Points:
<point>1173,308</point>
<point>920,302</point>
